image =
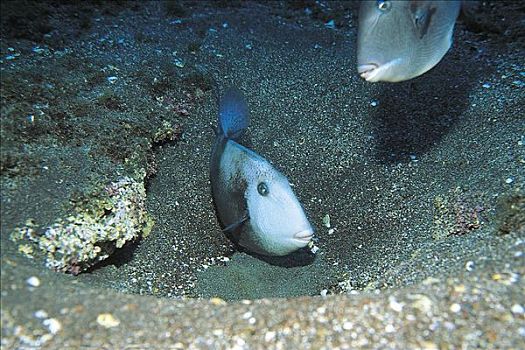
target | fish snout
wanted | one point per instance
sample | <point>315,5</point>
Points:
<point>304,236</point>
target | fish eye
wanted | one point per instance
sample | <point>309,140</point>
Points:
<point>262,188</point>
<point>384,5</point>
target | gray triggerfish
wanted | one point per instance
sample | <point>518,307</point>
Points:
<point>254,202</point>
<point>400,40</point>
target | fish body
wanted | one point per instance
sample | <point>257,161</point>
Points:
<point>254,201</point>
<point>400,40</point>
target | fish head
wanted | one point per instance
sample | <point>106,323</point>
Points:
<point>277,219</point>
<point>400,40</point>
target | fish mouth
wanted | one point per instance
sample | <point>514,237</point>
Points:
<point>374,72</point>
<point>304,236</point>
<point>367,71</point>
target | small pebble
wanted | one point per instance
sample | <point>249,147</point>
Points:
<point>460,288</point>
<point>40,314</point>
<point>517,309</point>
<point>521,331</point>
<point>374,103</point>
<point>179,63</point>
<point>326,220</point>
<point>496,277</point>
<point>33,281</point>
<point>509,180</point>
<point>53,325</point>
<point>455,308</point>
<point>422,303</point>
<point>107,320</point>
<point>330,24</point>
<point>395,305</point>
<point>269,336</point>
<point>324,292</point>
<point>450,326</point>
<point>430,280</point>
<point>348,325</point>
<point>314,249</point>
<point>427,345</point>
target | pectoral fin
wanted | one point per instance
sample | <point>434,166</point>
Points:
<point>233,227</point>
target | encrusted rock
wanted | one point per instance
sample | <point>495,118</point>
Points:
<point>116,216</point>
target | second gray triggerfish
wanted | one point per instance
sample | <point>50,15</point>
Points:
<point>400,40</point>
<point>254,201</point>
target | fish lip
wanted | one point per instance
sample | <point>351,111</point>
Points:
<point>365,68</point>
<point>304,236</point>
<point>374,72</point>
<point>368,71</point>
